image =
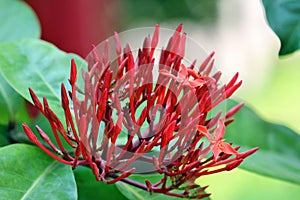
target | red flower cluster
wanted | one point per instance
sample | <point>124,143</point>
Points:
<point>145,115</point>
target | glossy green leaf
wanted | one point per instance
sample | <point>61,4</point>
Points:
<point>284,18</point>
<point>18,21</point>
<point>279,147</point>
<point>134,193</point>
<point>26,172</point>
<point>38,65</point>
<point>89,188</point>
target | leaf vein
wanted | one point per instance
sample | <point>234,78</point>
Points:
<point>38,180</point>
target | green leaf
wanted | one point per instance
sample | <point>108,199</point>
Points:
<point>3,136</point>
<point>163,11</point>
<point>18,21</point>
<point>134,193</point>
<point>10,102</point>
<point>28,173</point>
<point>38,65</point>
<point>279,147</point>
<point>284,18</point>
<point>89,188</point>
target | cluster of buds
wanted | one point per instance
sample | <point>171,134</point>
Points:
<point>143,114</point>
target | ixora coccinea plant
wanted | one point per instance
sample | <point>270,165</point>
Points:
<point>146,111</point>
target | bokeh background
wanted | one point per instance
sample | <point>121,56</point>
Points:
<point>239,34</point>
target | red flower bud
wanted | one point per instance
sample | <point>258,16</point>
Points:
<point>145,112</point>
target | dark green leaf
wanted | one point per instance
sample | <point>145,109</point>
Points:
<point>284,18</point>
<point>134,193</point>
<point>279,153</point>
<point>28,173</point>
<point>18,21</point>
<point>89,188</point>
<point>3,140</point>
<point>38,65</point>
<point>166,10</point>
<point>3,136</point>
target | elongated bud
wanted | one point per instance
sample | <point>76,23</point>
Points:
<point>234,164</point>
<point>155,36</point>
<point>35,100</point>
<point>73,74</point>
<point>234,110</point>
<point>96,171</point>
<point>64,96</point>
<point>232,81</point>
<point>118,43</point>
<point>179,28</point>
<point>206,61</point>
<point>231,90</point>
<point>248,153</point>
<point>29,133</point>
<point>46,138</point>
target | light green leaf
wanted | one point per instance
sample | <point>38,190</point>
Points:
<point>284,18</point>
<point>18,21</point>
<point>28,173</point>
<point>38,65</point>
<point>279,147</point>
<point>134,193</point>
<point>89,188</point>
